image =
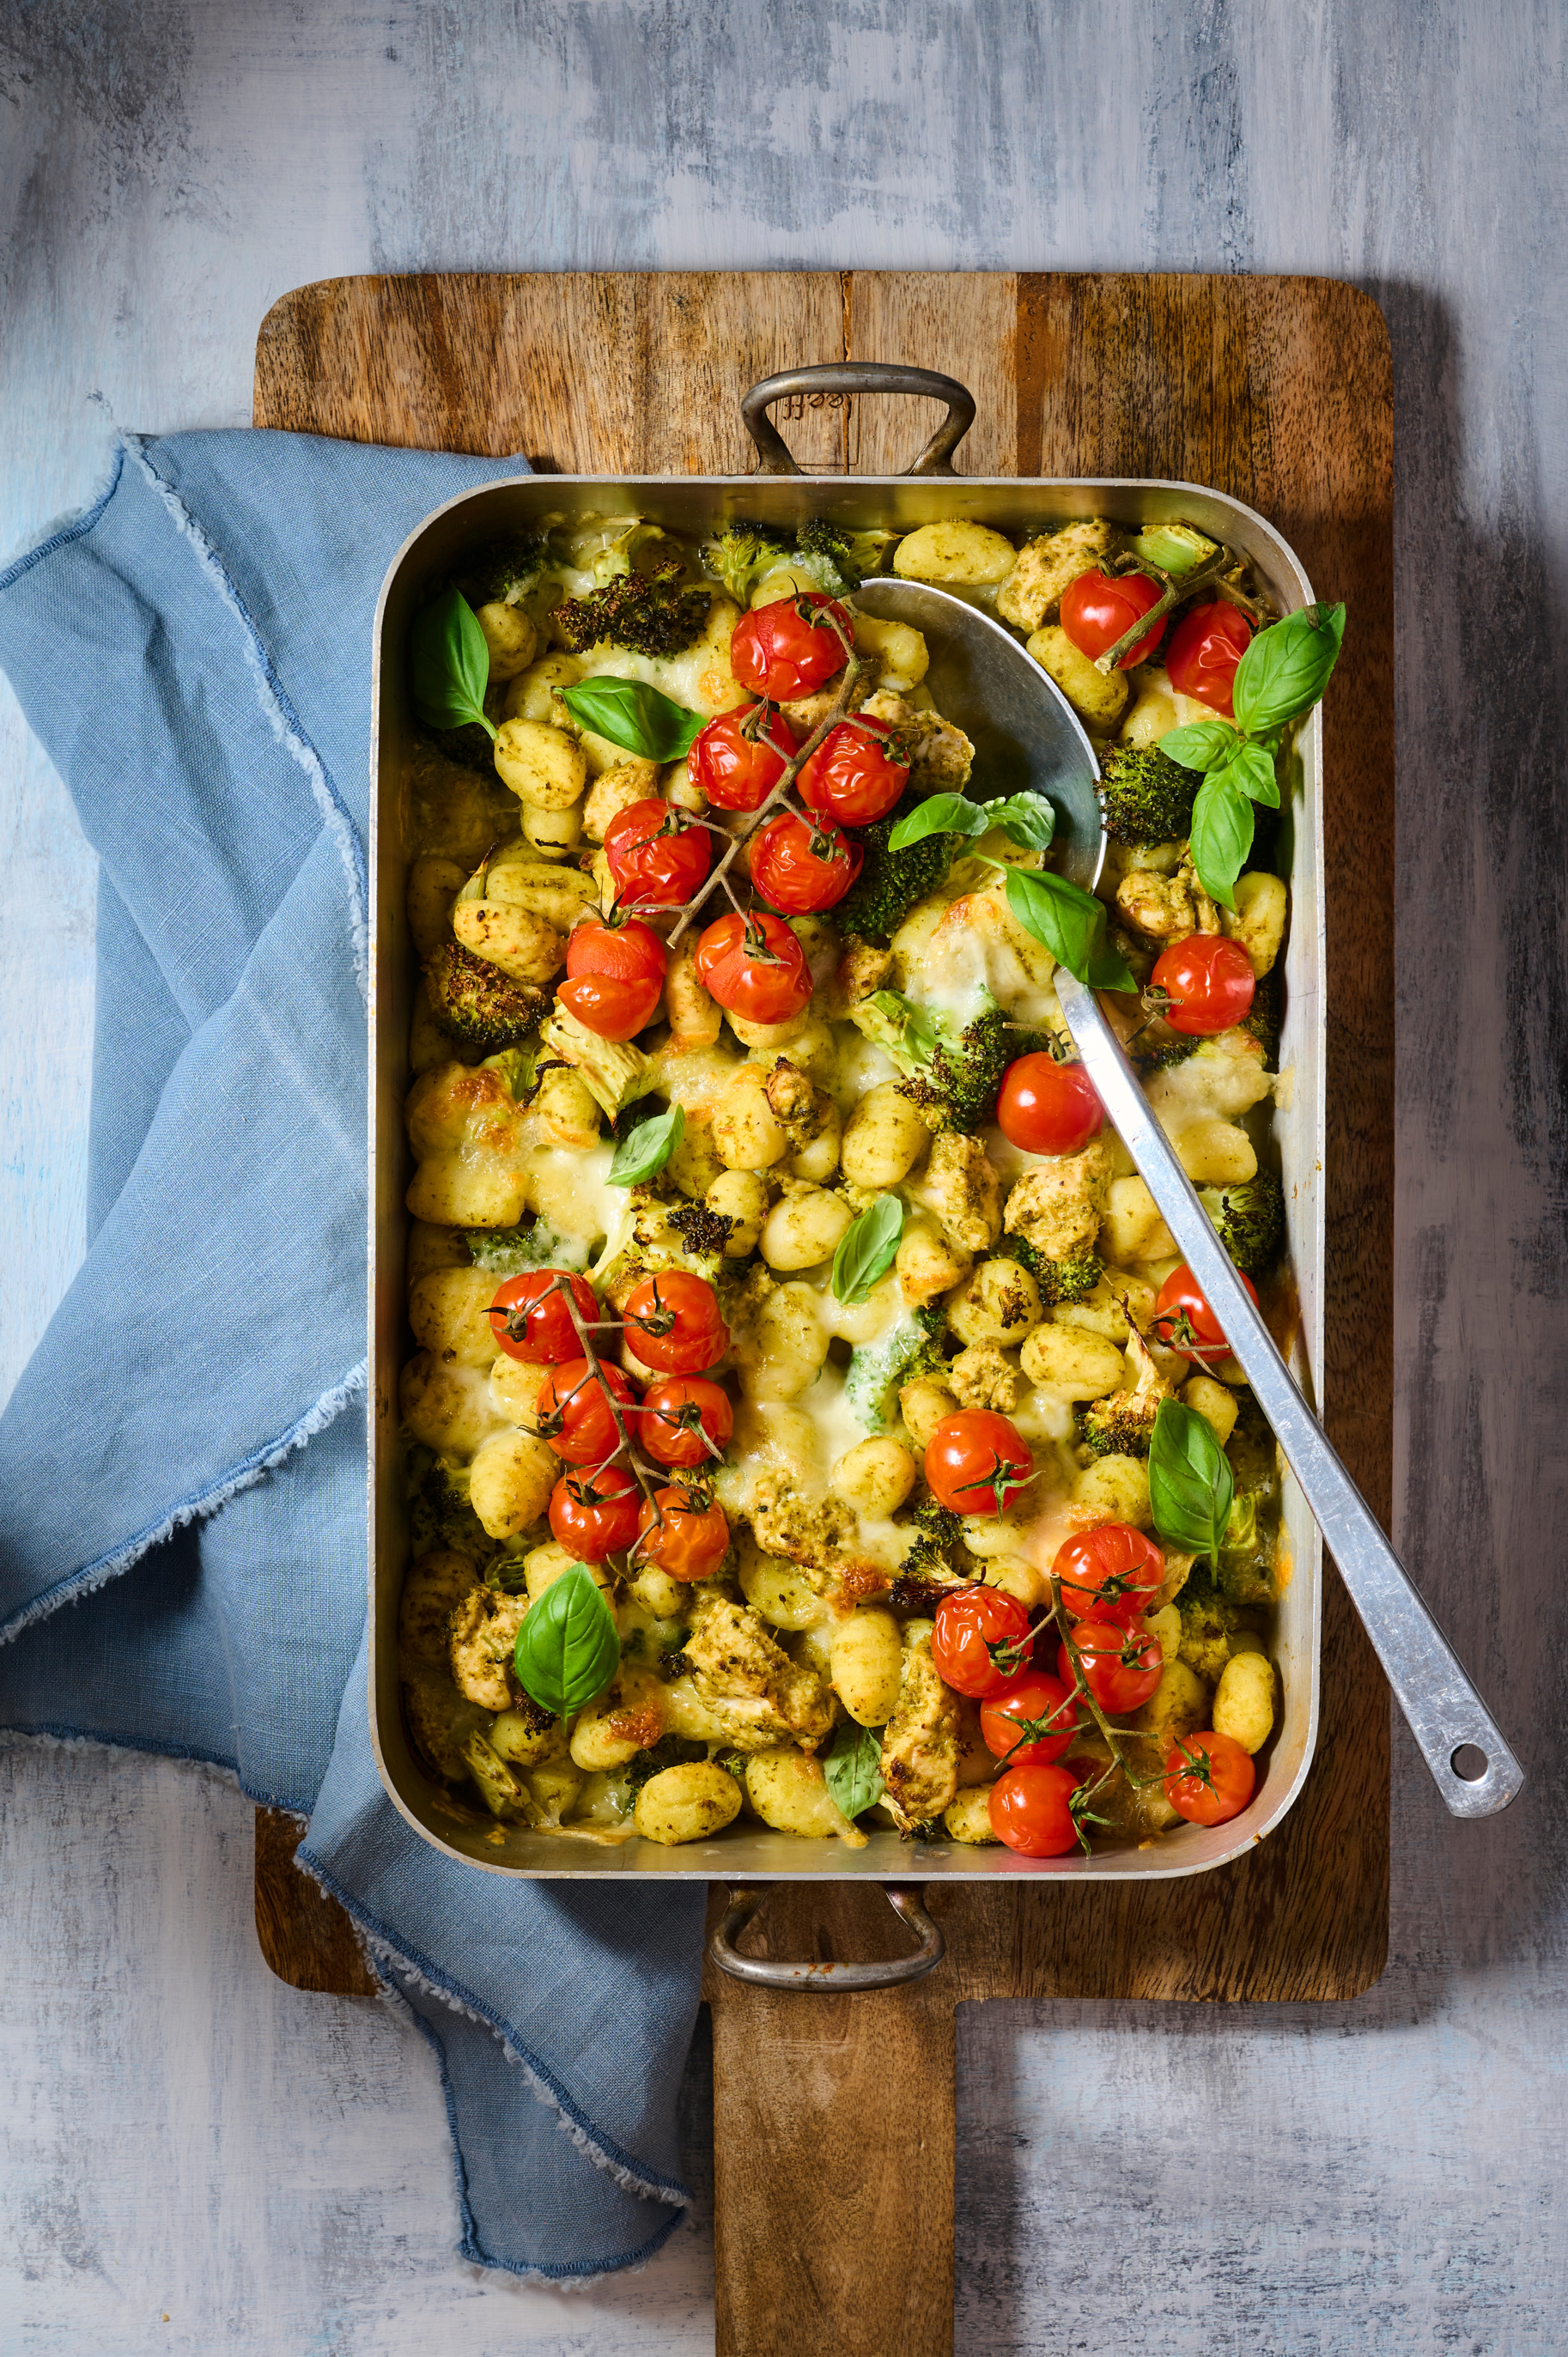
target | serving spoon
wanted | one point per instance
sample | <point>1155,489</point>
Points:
<point>1026,738</point>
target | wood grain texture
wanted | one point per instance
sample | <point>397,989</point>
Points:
<point>316,1944</point>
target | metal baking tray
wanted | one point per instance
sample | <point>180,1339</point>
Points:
<point>697,506</point>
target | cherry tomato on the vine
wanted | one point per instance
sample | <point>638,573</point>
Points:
<point>608,1007</point>
<point>596,1514</point>
<point>1206,647</point>
<point>672,1323</point>
<point>781,651</point>
<point>1098,608</point>
<point>680,1416</point>
<point>656,855</point>
<point>572,1397</point>
<point>1208,1778</point>
<point>854,775</point>
<point>981,1641</point>
<point>1183,1321</point>
<point>976,1462</point>
<point>1031,1721</point>
<point>1047,1108</point>
<point>629,953</point>
<point>685,1535</point>
<point>1121,1665</point>
<point>1112,1573</point>
<point>800,868</point>
<point>733,765</point>
<point>1208,981</point>
<point>530,1321</point>
<point>1031,1810</point>
<point>754,966</point>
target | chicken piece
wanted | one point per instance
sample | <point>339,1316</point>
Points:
<point>1057,1208</point>
<point>1032,591</point>
<point>860,972</point>
<point>482,1636</point>
<point>789,1094</point>
<point>1166,907</point>
<point>748,1684</point>
<point>961,1187</point>
<point>921,1742</point>
<point>811,1531</point>
<point>983,1376</point>
<point>940,755</point>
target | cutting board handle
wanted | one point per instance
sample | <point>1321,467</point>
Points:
<point>832,1979</point>
<point>858,376</point>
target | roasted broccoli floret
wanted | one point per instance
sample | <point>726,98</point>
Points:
<point>1124,1424</point>
<point>649,612</point>
<point>929,1563</point>
<point>507,570</point>
<point>670,1751</point>
<point>742,555</point>
<point>1248,1570</point>
<point>507,1252</point>
<point>878,1369</point>
<point>439,1514</point>
<point>956,1087</point>
<point>1208,1618</point>
<point>700,1230</point>
<point>1249,1220</point>
<point>1072,1279</point>
<point>891,882</point>
<point>475,1002</point>
<point>838,559</point>
<point>1144,796</point>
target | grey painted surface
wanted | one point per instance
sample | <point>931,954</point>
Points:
<point>183,2134</point>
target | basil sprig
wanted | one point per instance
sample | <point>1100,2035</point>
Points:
<point>629,712</point>
<point>853,1769</point>
<point>449,664</point>
<point>866,1249</point>
<point>647,1147</point>
<point>1072,924</point>
<point>1026,820</point>
<point>1190,1481</point>
<point>1278,680</point>
<point>567,1650</point>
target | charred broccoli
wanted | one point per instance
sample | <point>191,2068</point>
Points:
<point>700,1230</point>
<point>930,1559</point>
<point>649,612</point>
<point>439,1514</point>
<point>1072,1279</point>
<point>891,882</point>
<point>1124,1424</point>
<point>1249,1220</point>
<point>956,1086</point>
<point>477,1004</point>
<point>1208,1619</point>
<point>1144,796</point>
<point>838,559</point>
<point>506,571</point>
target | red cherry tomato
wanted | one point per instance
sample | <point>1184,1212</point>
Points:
<point>572,1398</point>
<point>530,1321</point>
<point>629,953</point>
<point>686,1536</point>
<point>801,867</point>
<point>680,1416</point>
<point>754,967</point>
<point>782,652</point>
<point>854,776</point>
<point>730,763</point>
<point>1208,981</point>
<point>1121,1666</point>
<point>672,1323</point>
<point>607,1008</point>
<point>1206,647</point>
<point>1208,1778</point>
<point>657,856</point>
<point>596,1514</point>
<point>1183,1321</point>
<point>1031,1810</point>
<point>982,1640</point>
<point>1032,1721</point>
<point>1097,609</point>
<point>977,1462</point>
<point>1047,1107</point>
<point>1112,1573</point>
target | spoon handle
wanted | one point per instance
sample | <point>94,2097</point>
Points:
<point>1445,1712</point>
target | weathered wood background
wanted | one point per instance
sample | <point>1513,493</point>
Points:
<point>185,2136</point>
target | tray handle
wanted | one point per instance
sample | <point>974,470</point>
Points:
<point>906,1900</point>
<point>859,376</point>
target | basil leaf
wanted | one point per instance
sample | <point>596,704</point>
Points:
<point>449,664</point>
<point>938,815</point>
<point>918,1033</point>
<point>1028,820</point>
<point>629,713</point>
<point>1222,837</point>
<point>854,1768</point>
<point>1250,770</point>
<point>1287,667</point>
<point>866,1249</point>
<point>567,1650</point>
<point>647,1147</point>
<point>1072,924</point>
<point>1202,745</point>
<point>1190,1482</point>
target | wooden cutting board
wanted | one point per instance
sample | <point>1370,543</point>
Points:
<point>833,2116</point>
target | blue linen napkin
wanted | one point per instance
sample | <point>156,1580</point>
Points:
<point>182,1466</point>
